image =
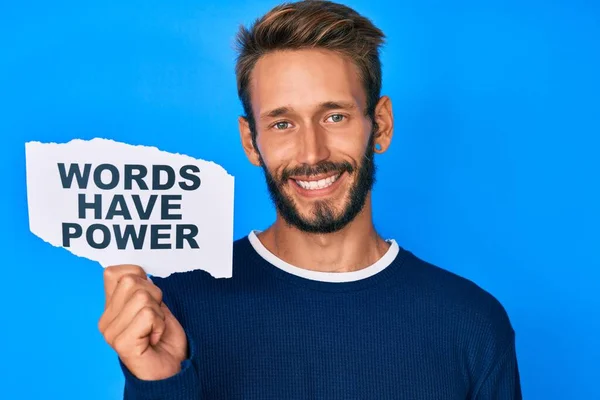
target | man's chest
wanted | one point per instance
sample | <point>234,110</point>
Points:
<point>308,351</point>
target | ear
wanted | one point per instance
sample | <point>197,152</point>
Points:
<point>247,143</point>
<point>384,117</point>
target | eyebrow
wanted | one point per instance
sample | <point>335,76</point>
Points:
<point>328,105</point>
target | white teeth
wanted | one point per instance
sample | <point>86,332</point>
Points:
<point>320,184</point>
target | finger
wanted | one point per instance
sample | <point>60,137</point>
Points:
<point>136,338</point>
<point>139,300</point>
<point>127,285</point>
<point>112,274</point>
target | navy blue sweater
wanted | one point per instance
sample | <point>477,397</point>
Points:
<point>411,331</point>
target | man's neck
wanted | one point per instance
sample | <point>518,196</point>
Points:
<point>354,247</point>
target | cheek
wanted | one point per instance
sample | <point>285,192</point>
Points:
<point>351,143</point>
<point>275,154</point>
<point>352,151</point>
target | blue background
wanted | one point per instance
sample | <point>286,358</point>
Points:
<point>492,174</point>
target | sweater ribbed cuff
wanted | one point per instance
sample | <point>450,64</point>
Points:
<point>185,385</point>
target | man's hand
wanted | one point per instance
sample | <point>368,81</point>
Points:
<point>139,326</point>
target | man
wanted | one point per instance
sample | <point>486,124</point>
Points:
<point>319,305</point>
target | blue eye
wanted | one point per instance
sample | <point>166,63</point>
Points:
<point>337,117</point>
<point>278,125</point>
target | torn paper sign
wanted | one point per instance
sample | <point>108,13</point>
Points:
<point>117,203</point>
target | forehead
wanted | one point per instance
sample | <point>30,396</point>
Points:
<point>302,79</point>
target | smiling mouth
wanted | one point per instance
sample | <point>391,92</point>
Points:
<point>317,184</point>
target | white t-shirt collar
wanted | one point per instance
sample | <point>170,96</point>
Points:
<point>363,273</point>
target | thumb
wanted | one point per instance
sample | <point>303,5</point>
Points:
<point>158,329</point>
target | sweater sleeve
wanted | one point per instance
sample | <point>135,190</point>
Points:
<point>503,381</point>
<point>184,385</point>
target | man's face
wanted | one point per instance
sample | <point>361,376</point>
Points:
<point>314,141</point>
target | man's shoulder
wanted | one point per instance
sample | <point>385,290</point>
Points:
<point>464,314</point>
<point>457,298</point>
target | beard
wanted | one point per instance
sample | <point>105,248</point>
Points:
<point>323,217</point>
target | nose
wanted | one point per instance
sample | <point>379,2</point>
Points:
<point>312,145</point>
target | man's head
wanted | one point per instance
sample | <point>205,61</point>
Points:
<point>309,78</point>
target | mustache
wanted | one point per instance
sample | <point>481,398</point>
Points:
<point>323,167</point>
